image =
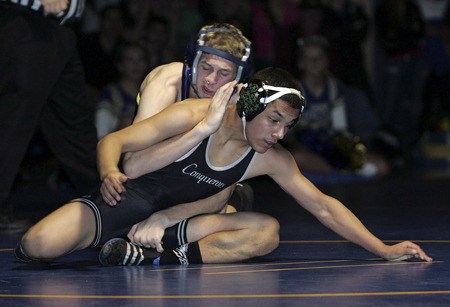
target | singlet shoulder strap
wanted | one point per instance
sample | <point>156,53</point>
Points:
<point>185,82</point>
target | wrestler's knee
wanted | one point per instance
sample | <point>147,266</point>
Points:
<point>35,243</point>
<point>266,234</point>
<point>71,227</point>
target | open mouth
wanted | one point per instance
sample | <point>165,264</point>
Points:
<point>269,144</point>
<point>207,92</point>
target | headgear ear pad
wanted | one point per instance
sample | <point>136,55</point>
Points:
<point>254,97</point>
<point>251,99</point>
<point>195,50</point>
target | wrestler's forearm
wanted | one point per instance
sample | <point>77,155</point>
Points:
<point>176,214</point>
<point>162,154</point>
<point>345,223</point>
<point>108,156</point>
<point>168,151</point>
<point>342,221</point>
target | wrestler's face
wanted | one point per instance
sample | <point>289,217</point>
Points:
<point>271,125</point>
<point>213,72</point>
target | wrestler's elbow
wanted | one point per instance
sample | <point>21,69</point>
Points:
<point>131,169</point>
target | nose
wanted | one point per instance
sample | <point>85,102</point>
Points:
<point>279,132</point>
<point>211,78</point>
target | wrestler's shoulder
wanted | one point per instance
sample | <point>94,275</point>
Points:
<point>168,70</point>
<point>168,73</point>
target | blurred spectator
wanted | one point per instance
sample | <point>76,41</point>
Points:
<point>157,41</point>
<point>349,25</point>
<point>436,95</point>
<point>327,138</point>
<point>185,18</point>
<point>136,14</point>
<point>97,50</point>
<point>235,13</point>
<point>446,33</point>
<point>117,105</point>
<point>274,31</point>
<point>90,21</point>
<point>316,18</point>
<point>312,18</point>
<point>345,25</point>
<point>400,34</point>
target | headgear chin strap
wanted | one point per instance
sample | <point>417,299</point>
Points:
<point>196,50</point>
<point>254,98</point>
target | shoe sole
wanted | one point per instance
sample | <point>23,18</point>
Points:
<point>106,250</point>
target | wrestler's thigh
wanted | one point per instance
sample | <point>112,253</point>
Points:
<point>136,205</point>
<point>72,225</point>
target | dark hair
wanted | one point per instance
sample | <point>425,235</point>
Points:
<point>266,86</point>
<point>281,78</point>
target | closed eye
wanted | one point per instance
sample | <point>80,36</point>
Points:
<point>273,120</point>
<point>205,67</point>
<point>225,73</point>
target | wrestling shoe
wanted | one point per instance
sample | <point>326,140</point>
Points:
<point>21,256</point>
<point>120,252</point>
<point>242,197</point>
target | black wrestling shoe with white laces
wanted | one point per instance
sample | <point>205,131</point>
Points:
<point>120,252</point>
<point>242,197</point>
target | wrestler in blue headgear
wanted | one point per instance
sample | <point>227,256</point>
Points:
<point>222,40</point>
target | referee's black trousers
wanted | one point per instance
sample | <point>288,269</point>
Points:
<point>42,87</point>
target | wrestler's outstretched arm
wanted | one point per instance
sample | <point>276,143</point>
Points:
<point>331,212</point>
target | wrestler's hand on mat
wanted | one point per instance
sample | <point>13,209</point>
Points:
<point>404,251</point>
<point>218,106</point>
<point>54,6</point>
<point>148,233</point>
<point>112,187</point>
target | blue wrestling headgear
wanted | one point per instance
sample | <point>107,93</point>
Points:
<point>254,97</point>
<point>196,49</point>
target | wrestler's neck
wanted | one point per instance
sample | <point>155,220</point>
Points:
<point>228,143</point>
<point>232,126</point>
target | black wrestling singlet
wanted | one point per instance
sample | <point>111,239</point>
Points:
<point>192,177</point>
